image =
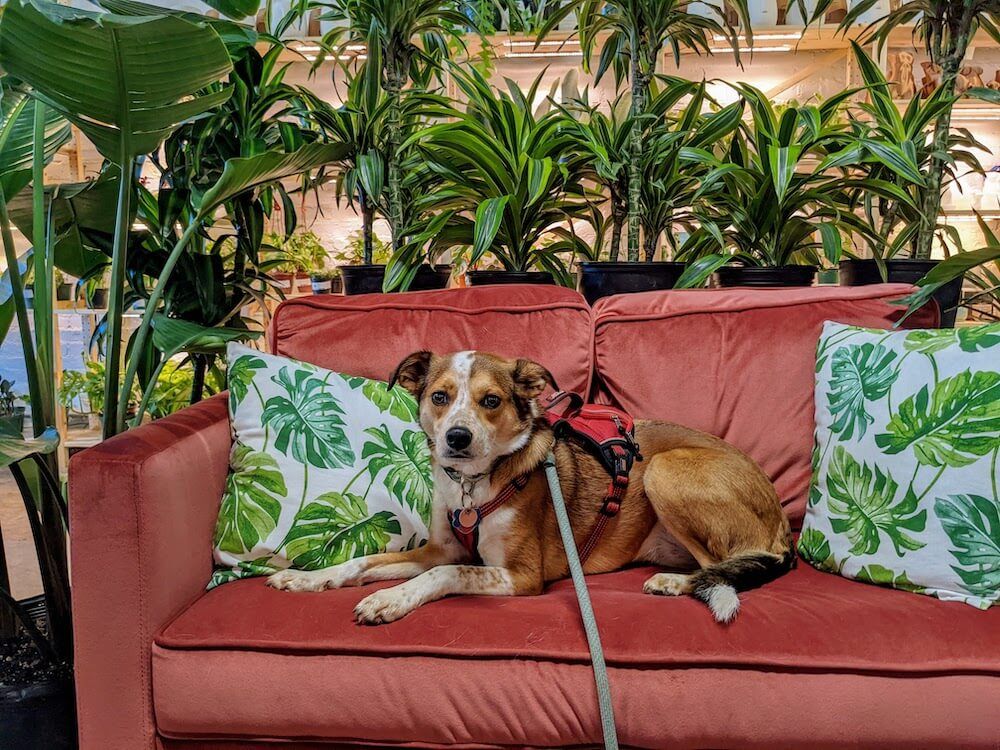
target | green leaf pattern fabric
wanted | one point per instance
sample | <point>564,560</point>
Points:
<point>905,460</point>
<point>324,467</point>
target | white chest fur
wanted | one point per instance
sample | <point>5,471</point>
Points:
<point>493,529</point>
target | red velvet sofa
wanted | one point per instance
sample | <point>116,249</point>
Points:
<point>812,661</point>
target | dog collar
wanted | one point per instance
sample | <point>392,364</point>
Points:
<point>465,521</point>
<point>466,483</point>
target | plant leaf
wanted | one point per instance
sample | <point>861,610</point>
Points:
<point>972,522</point>
<point>336,527</point>
<point>173,335</point>
<point>14,448</point>
<point>409,466</point>
<point>861,506</point>
<point>859,374</point>
<point>954,427</point>
<point>240,375</point>
<point>250,506</point>
<point>307,423</point>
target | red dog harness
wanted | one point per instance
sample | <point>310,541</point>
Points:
<point>605,432</point>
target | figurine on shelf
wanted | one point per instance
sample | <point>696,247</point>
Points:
<point>973,76</point>
<point>931,79</point>
<point>903,85</point>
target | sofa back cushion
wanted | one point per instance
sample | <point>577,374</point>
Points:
<point>737,363</point>
<point>369,335</point>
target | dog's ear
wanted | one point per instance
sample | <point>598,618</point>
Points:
<point>530,378</point>
<point>411,373</point>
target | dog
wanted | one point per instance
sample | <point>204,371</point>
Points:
<point>694,504</point>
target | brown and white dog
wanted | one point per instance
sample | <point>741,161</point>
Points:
<point>694,504</point>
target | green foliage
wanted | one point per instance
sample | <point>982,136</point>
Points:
<point>863,506</point>
<point>239,376</point>
<point>301,252</point>
<point>83,390</point>
<point>308,423</point>
<point>336,527</point>
<point>250,506</point>
<point>408,478</point>
<point>7,397</point>
<point>972,522</point>
<point>859,374</point>
<point>953,425</point>
<point>882,576</point>
<point>14,448</point>
<point>814,547</point>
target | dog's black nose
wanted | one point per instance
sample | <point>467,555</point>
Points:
<point>458,438</point>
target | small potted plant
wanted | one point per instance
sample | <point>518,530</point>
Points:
<point>11,415</point>
<point>358,275</point>
<point>898,218</point>
<point>295,258</point>
<point>64,288</point>
<point>326,281</point>
<point>95,291</point>
<point>82,393</point>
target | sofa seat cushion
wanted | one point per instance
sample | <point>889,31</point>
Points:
<point>736,363</point>
<point>369,334</point>
<point>248,661</point>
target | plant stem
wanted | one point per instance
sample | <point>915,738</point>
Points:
<point>142,332</point>
<point>148,393</point>
<point>367,220</point>
<point>200,364</point>
<point>8,623</point>
<point>617,222</point>
<point>950,61</point>
<point>638,106</point>
<point>114,409</point>
<point>42,411</point>
<point>393,89</point>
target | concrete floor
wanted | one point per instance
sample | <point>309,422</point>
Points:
<point>18,546</point>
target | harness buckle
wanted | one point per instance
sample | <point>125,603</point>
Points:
<point>611,507</point>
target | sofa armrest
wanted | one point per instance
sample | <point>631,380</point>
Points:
<point>142,512</point>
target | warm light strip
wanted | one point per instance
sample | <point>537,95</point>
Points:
<point>986,217</point>
<point>342,58</point>
<point>764,37</point>
<point>545,43</point>
<point>543,54</point>
<point>776,48</point>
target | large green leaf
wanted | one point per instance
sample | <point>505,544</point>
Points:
<point>861,506</point>
<point>172,336</point>
<point>409,466</point>
<point>955,426</point>
<point>859,374</point>
<point>948,270</point>
<point>972,522</point>
<point>17,122</point>
<point>250,506</point>
<point>396,400</point>
<point>126,82</point>
<point>307,422</point>
<point>240,375</point>
<point>7,293</point>
<point>334,528</point>
<point>976,338</point>
<point>240,175</point>
<point>14,448</point>
<point>236,36</point>
<point>882,576</point>
<point>929,341</point>
<point>814,547</point>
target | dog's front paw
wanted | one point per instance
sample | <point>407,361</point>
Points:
<point>300,580</point>
<point>382,607</point>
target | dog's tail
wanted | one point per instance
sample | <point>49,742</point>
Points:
<point>718,584</point>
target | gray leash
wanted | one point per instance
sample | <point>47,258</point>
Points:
<point>586,611</point>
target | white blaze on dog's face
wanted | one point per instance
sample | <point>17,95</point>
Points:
<point>475,407</point>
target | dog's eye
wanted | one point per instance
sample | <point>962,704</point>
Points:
<point>439,398</point>
<point>490,401</point>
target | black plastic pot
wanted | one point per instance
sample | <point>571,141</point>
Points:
<point>765,276</point>
<point>99,299</point>
<point>368,279</point>
<point>64,292</point>
<point>41,716</point>
<point>904,271</point>
<point>602,279</point>
<point>485,278</point>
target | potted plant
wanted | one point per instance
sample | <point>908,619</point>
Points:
<point>898,221</point>
<point>326,281</point>
<point>351,258</point>
<point>11,415</point>
<point>95,289</point>
<point>297,256</point>
<point>64,289</point>
<point>82,392</point>
<point>512,185</point>
<point>36,676</point>
<point>947,29</point>
<point>779,201</point>
<point>633,35</point>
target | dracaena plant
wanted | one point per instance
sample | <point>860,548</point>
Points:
<point>633,35</point>
<point>879,124</point>
<point>946,28</point>
<point>403,39</point>
<point>781,194</point>
<point>512,181</point>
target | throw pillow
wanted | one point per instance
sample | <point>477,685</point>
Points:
<point>904,490</point>
<point>324,467</point>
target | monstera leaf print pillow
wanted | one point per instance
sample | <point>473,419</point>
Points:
<point>324,467</point>
<point>905,467</point>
